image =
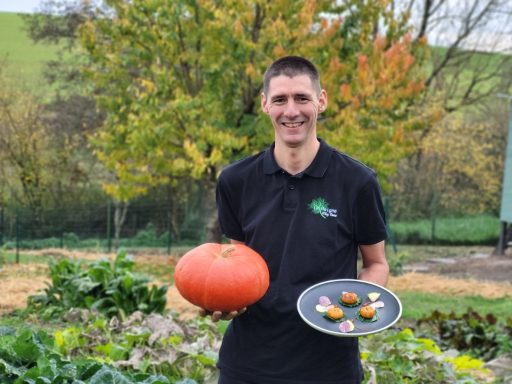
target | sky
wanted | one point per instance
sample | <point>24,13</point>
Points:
<point>486,39</point>
<point>23,6</point>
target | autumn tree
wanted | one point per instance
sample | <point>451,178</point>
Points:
<point>23,142</point>
<point>458,164</point>
<point>180,83</point>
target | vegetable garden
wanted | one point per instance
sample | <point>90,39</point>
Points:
<point>92,319</point>
<point>117,143</point>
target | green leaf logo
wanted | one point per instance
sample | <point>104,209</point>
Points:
<point>319,207</point>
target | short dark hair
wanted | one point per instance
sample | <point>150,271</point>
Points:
<point>292,66</point>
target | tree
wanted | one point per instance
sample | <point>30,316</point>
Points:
<point>458,162</point>
<point>180,83</point>
<point>466,64</point>
<point>23,148</point>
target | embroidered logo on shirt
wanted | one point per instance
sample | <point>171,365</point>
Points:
<point>320,207</point>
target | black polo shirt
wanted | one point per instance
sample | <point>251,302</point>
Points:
<point>307,227</point>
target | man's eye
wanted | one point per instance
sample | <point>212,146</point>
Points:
<point>278,101</point>
<point>302,100</point>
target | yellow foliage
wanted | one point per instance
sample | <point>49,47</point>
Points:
<point>181,85</point>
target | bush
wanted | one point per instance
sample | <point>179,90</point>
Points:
<point>403,358</point>
<point>109,288</point>
<point>161,344</point>
<point>479,336</point>
<point>28,356</point>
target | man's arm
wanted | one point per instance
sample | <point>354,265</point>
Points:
<point>375,267</point>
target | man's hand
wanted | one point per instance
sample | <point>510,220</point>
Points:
<point>217,315</point>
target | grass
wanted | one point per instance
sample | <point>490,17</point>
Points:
<point>468,230</point>
<point>411,253</point>
<point>24,60</point>
<point>417,305</point>
<point>8,257</point>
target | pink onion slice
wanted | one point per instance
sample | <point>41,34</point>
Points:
<point>346,326</point>
<point>377,304</point>
<point>324,301</point>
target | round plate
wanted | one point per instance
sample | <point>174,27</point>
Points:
<point>388,315</point>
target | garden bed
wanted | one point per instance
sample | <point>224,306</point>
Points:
<point>468,274</point>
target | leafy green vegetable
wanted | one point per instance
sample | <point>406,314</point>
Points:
<point>109,288</point>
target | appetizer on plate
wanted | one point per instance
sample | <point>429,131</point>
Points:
<point>349,299</point>
<point>334,313</point>
<point>368,314</point>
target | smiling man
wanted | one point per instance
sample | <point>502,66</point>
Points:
<point>307,209</point>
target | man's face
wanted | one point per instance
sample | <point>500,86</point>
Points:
<point>293,105</point>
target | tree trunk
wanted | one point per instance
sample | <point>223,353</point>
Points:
<point>121,208</point>
<point>213,233</point>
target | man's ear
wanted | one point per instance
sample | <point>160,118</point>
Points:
<point>263,100</point>
<point>322,100</point>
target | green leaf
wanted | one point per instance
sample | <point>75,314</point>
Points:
<point>107,375</point>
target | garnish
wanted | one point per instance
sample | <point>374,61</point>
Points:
<point>324,300</point>
<point>324,303</point>
<point>373,296</point>
<point>347,326</point>
<point>377,304</point>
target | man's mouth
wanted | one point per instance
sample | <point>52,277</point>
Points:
<point>293,125</point>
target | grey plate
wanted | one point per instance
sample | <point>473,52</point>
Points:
<point>333,289</point>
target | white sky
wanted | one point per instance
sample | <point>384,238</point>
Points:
<point>22,6</point>
<point>496,36</point>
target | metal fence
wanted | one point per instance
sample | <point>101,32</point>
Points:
<point>145,225</point>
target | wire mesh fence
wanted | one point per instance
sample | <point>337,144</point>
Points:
<point>158,225</point>
<point>100,227</point>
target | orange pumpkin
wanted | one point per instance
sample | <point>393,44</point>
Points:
<point>221,277</point>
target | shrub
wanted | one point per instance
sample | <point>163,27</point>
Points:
<point>162,344</point>
<point>480,336</point>
<point>109,288</point>
<point>28,356</point>
<point>403,358</point>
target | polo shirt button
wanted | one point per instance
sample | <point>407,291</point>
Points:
<point>292,187</point>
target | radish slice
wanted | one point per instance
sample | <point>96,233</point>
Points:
<point>324,301</point>
<point>377,304</point>
<point>321,308</point>
<point>373,296</point>
<point>346,326</point>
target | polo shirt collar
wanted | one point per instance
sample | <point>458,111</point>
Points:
<point>316,169</point>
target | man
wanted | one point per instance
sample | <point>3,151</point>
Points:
<point>307,209</point>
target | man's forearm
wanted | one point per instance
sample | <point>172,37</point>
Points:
<point>376,273</point>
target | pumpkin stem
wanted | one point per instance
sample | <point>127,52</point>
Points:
<point>228,250</point>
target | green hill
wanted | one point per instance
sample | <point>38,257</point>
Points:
<point>20,59</point>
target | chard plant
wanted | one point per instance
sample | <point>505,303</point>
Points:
<point>154,343</point>
<point>28,356</point>
<point>110,288</point>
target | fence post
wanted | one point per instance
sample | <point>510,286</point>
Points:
<point>391,235</point>
<point>18,234</point>
<point>169,232</point>
<point>433,214</point>
<point>2,227</point>
<point>109,228</point>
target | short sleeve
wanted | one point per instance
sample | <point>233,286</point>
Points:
<point>227,212</point>
<point>369,216</point>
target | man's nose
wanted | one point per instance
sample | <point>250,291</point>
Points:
<point>292,109</point>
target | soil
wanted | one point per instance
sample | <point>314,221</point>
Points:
<point>481,273</point>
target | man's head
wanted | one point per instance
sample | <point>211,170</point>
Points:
<point>292,66</point>
<point>293,99</point>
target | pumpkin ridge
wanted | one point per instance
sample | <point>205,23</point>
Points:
<point>206,287</point>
